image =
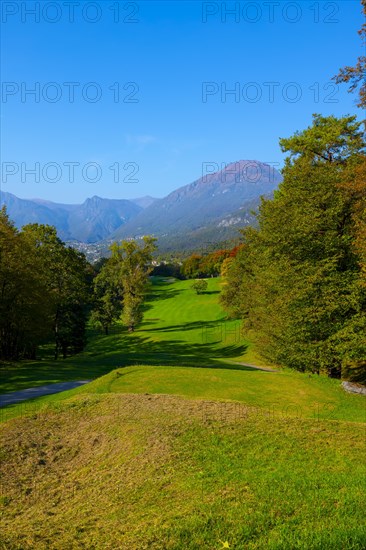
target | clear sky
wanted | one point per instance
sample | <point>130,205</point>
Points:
<point>136,93</point>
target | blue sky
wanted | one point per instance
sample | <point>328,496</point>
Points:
<point>165,123</point>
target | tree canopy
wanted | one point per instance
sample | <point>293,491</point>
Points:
<point>299,279</point>
<point>44,291</point>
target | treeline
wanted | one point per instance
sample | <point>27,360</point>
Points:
<point>44,291</point>
<point>207,265</point>
<point>299,280</point>
<point>196,266</point>
<point>48,290</point>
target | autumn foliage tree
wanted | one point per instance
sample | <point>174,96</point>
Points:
<point>191,267</point>
<point>207,265</point>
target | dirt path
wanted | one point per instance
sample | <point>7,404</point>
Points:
<point>30,393</point>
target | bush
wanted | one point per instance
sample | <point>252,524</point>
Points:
<point>200,285</point>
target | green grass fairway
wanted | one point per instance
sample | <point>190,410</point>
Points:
<point>179,327</point>
<point>188,334</point>
<point>175,447</point>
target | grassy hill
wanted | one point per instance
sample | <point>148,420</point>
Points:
<point>178,447</point>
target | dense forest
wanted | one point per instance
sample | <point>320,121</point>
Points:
<point>49,290</point>
<point>44,291</point>
<point>299,280</point>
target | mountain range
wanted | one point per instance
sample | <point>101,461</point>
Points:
<point>89,222</point>
<point>212,208</point>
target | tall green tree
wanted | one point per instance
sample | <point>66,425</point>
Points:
<point>25,309</point>
<point>300,274</point>
<point>67,277</point>
<point>132,265</point>
<point>107,296</point>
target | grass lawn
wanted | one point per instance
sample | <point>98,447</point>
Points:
<point>175,447</point>
<point>291,395</point>
<point>187,334</point>
<point>119,471</point>
<point>179,327</point>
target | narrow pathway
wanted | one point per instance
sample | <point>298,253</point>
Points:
<point>267,369</point>
<point>30,393</point>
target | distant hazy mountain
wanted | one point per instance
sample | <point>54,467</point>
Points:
<point>209,200</point>
<point>92,221</point>
<point>221,233</point>
<point>211,209</point>
<point>144,202</point>
<point>97,218</point>
<point>24,211</point>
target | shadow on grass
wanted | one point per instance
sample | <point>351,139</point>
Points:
<point>160,295</point>
<point>205,326</point>
<point>120,349</point>
<point>163,294</point>
<point>138,349</point>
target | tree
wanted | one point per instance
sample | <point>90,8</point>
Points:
<point>66,276</point>
<point>108,295</point>
<point>353,185</point>
<point>200,286</point>
<point>168,269</point>
<point>210,264</point>
<point>25,312</point>
<point>329,139</point>
<point>355,76</point>
<point>297,279</point>
<point>191,266</point>
<point>132,264</point>
<point>233,291</point>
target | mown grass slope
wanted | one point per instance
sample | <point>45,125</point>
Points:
<point>286,393</point>
<point>153,471</point>
<point>180,327</point>
<point>186,450</point>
